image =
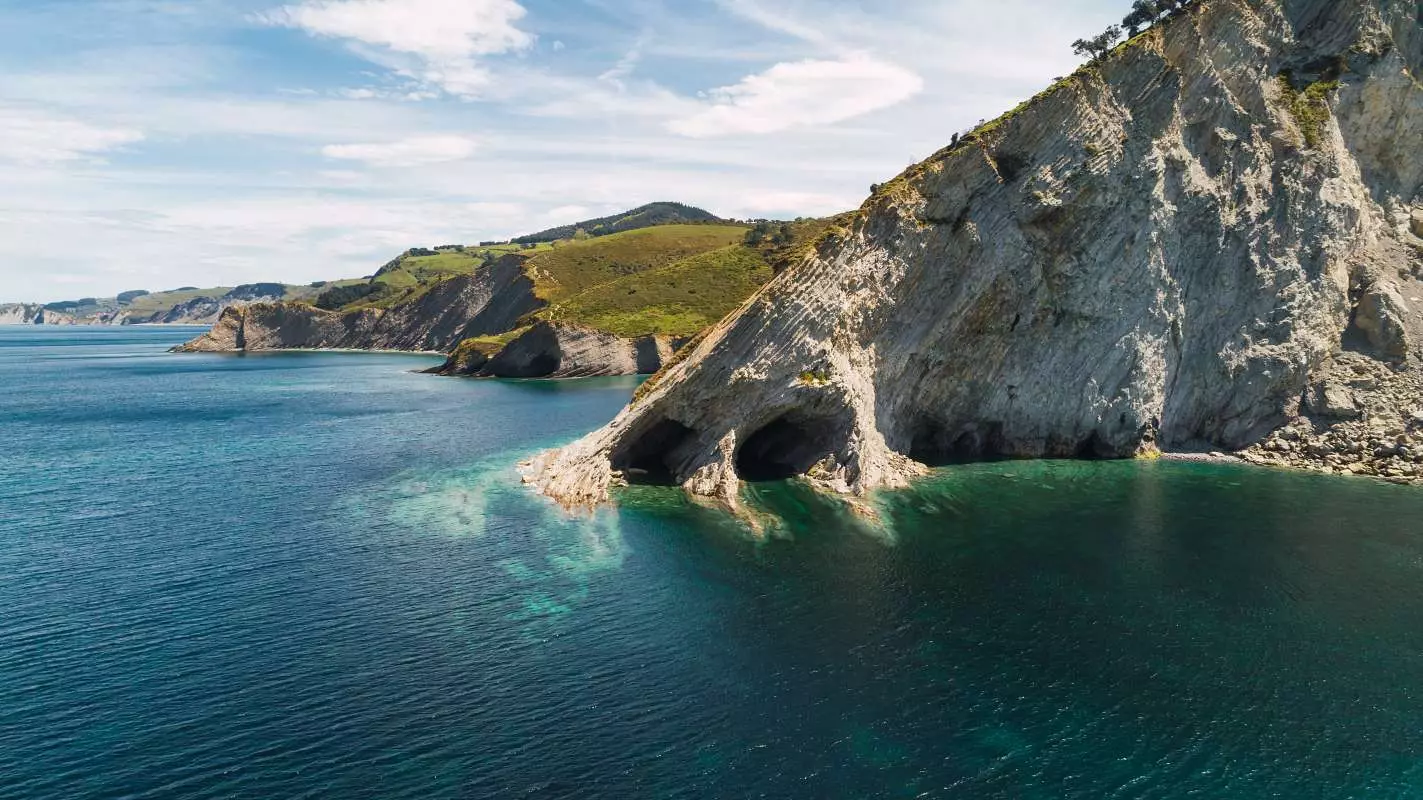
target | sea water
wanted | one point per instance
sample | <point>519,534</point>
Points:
<point>317,575</point>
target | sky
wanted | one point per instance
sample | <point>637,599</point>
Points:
<point>150,144</point>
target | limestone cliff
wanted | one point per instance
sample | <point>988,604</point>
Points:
<point>34,314</point>
<point>21,314</point>
<point>557,350</point>
<point>489,301</point>
<point>1171,248</point>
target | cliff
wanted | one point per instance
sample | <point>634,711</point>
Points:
<point>1198,242</point>
<point>489,301</point>
<point>186,306</point>
<point>21,314</point>
<point>558,350</point>
<point>615,304</point>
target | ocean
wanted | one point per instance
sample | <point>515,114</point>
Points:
<point>318,576</point>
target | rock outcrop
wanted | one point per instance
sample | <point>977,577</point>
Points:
<point>490,301</point>
<point>556,350</point>
<point>1170,249</point>
<point>21,314</point>
<point>32,314</point>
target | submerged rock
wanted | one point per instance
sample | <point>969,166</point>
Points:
<point>1157,252</point>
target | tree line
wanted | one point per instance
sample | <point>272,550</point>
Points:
<point>1143,14</point>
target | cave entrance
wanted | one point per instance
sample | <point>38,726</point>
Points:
<point>646,459</point>
<point>937,445</point>
<point>1093,448</point>
<point>789,446</point>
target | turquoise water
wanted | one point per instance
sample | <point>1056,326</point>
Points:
<point>316,576</point>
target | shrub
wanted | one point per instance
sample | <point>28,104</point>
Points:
<point>342,296</point>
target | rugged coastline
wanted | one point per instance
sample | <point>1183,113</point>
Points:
<point>618,304</point>
<point>1192,244</point>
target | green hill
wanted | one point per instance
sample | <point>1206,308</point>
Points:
<point>188,304</point>
<point>672,280</point>
<point>647,216</point>
<point>560,270</point>
<point>412,274</point>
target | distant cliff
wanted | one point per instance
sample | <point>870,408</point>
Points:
<point>616,304</point>
<point>1208,239</point>
<point>31,314</point>
<point>186,306</point>
<point>490,301</point>
<point>556,350</point>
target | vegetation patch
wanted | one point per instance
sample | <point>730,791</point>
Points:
<point>576,267</point>
<point>342,296</point>
<point>647,216</point>
<point>475,351</point>
<point>1309,108</point>
<point>679,299</point>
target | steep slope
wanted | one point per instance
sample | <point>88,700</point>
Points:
<point>560,350</point>
<point>1171,248</point>
<point>491,300</point>
<point>20,313</point>
<point>615,303</point>
<point>620,304</point>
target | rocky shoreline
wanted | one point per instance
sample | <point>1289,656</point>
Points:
<point>1125,265</point>
<point>1366,419</point>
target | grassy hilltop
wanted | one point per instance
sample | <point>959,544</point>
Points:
<point>663,269</point>
<point>648,271</point>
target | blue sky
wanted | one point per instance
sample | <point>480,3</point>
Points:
<point>158,143</point>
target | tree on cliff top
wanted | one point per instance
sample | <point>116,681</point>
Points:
<point>1099,45</point>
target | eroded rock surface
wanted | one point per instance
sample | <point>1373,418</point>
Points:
<point>1166,250</point>
<point>487,302</point>
<point>556,350</point>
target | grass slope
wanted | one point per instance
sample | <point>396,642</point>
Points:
<point>162,302</point>
<point>410,276</point>
<point>647,216</point>
<point>679,299</point>
<point>576,267</point>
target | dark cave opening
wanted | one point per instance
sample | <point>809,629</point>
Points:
<point>938,445</point>
<point>644,459</point>
<point>1093,449</point>
<point>787,447</point>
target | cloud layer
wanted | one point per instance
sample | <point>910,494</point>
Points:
<point>214,142</point>
<point>444,37</point>
<point>413,152</point>
<point>801,94</point>
<point>30,137</point>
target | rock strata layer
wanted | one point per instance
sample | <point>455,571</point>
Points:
<point>1208,240</point>
<point>488,302</point>
<point>556,350</point>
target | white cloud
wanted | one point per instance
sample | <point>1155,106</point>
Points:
<point>409,94</point>
<point>794,204</point>
<point>773,20</point>
<point>446,38</point>
<point>568,213</point>
<point>625,67</point>
<point>800,94</point>
<point>43,138</point>
<point>413,152</point>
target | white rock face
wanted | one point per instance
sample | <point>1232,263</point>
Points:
<point>19,314</point>
<point>1164,250</point>
<point>557,350</point>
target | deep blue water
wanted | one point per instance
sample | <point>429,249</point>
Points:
<point>317,576</point>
